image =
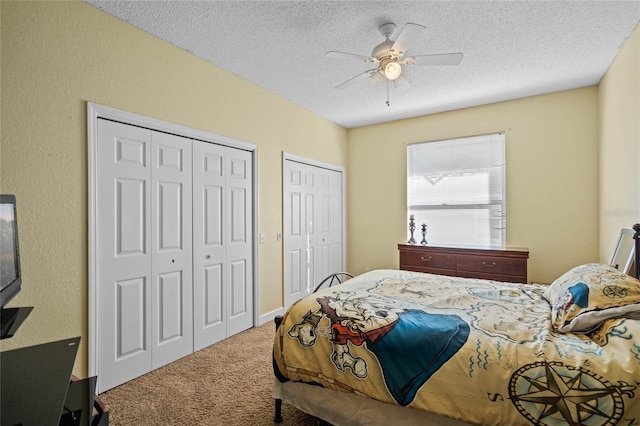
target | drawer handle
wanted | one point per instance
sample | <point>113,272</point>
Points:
<point>488,265</point>
<point>426,259</point>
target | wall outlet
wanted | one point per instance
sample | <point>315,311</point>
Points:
<point>262,238</point>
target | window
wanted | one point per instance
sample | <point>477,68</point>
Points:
<point>457,188</point>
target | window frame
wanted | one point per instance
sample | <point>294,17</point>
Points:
<point>492,203</point>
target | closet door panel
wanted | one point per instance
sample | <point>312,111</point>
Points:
<point>309,227</point>
<point>313,236</point>
<point>171,324</point>
<point>213,302</point>
<point>173,246</point>
<point>209,248</point>
<point>123,256</point>
<point>130,318</point>
<point>295,271</point>
<point>335,234</point>
<point>212,215</point>
<point>299,239</point>
<point>239,243</point>
<point>238,289</point>
<point>335,221</point>
<point>130,220</point>
<point>238,216</point>
<point>295,241</point>
<point>172,308</point>
<point>170,232</point>
<point>323,244</point>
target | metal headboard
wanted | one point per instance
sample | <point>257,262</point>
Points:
<point>636,239</point>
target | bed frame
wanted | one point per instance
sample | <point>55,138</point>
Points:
<point>340,276</point>
<point>636,260</point>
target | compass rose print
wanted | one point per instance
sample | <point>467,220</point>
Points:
<point>614,292</point>
<point>551,393</point>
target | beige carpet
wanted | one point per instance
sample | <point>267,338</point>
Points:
<point>228,383</point>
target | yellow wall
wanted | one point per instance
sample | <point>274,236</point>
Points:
<point>56,57</point>
<point>619,135</point>
<point>552,176</point>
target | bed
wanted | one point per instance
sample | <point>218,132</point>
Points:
<point>400,347</point>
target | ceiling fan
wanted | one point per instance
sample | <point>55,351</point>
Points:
<point>390,55</point>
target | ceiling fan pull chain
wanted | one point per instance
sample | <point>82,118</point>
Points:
<point>388,93</point>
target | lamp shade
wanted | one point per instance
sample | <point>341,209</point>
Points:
<point>392,70</point>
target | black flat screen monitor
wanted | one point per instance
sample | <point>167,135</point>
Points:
<point>10,274</point>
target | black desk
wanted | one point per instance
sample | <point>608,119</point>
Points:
<point>78,407</point>
<point>34,382</point>
<point>11,319</point>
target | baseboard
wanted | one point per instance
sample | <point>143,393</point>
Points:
<point>269,316</point>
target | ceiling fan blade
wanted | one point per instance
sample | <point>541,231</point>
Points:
<point>407,37</point>
<point>351,56</point>
<point>401,83</point>
<point>358,77</point>
<point>376,77</point>
<point>441,59</point>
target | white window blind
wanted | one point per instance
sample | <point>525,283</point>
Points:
<point>457,188</point>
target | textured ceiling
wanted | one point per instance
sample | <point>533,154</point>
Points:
<point>512,49</point>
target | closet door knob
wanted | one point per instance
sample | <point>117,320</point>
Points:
<point>208,256</point>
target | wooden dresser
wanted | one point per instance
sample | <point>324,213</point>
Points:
<point>500,264</point>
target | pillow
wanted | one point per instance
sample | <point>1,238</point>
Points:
<point>587,295</point>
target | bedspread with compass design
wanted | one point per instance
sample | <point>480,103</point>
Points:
<point>484,352</point>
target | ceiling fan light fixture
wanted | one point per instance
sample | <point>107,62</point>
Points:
<point>392,70</point>
<point>389,57</point>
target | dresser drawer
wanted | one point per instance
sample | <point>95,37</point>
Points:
<point>499,264</point>
<point>428,260</point>
<point>493,277</point>
<point>492,265</point>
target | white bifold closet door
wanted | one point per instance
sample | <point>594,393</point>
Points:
<point>145,261</point>
<point>222,264</point>
<point>175,248</point>
<point>313,227</point>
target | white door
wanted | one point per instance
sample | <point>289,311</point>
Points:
<point>209,258</point>
<point>328,215</point>
<point>146,251</point>
<point>336,223</point>
<point>297,196</point>
<point>124,255</point>
<point>144,261</point>
<point>171,265</point>
<point>313,227</point>
<point>239,240</point>
<point>223,246</point>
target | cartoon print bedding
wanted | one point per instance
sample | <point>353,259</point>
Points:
<point>484,352</point>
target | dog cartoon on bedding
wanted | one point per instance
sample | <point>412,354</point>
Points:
<point>369,321</point>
